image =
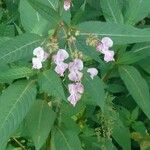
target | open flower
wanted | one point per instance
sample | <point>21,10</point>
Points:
<point>75,91</point>
<point>40,54</point>
<point>61,68</point>
<point>60,56</point>
<point>93,72</point>
<point>59,61</point>
<point>74,68</point>
<point>109,56</point>
<point>104,46</point>
<point>67,4</point>
<point>36,63</point>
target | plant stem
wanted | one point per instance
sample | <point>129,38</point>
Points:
<point>18,143</point>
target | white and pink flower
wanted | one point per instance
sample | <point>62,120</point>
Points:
<point>93,72</point>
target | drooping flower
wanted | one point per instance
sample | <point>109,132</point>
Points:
<point>59,61</point>
<point>40,54</point>
<point>60,56</point>
<point>104,45</point>
<point>61,68</point>
<point>75,91</point>
<point>67,5</point>
<point>36,63</point>
<point>109,56</point>
<point>93,72</point>
<point>75,68</point>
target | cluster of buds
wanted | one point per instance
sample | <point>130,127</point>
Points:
<point>75,74</point>
<point>102,46</point>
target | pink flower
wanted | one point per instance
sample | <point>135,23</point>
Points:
<point>75,91</point>
<point>109,56</point>
<point>75,76</point>
<point>60,56</point>
<point>93,72</point>
<point>61,68</point>
<point>40,54</point>
<point>104,45</point>
<point>36,63</point>
<point>67,4</point>
<point>75,67</point>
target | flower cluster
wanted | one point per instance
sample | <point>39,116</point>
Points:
<point>103,47</point>
<point>75,74</point>
<point>40,56</point>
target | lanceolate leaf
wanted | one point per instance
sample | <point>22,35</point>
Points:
<point>50,83</point>
<point>94,91</point>
<point>47,12</point>
<point>112,11</point>
<point>139,52</point>
<point>18,48</point>
<point>15,102</point>
<point>31,20</point>
<point>121,134</point>
<point>121,34</point>
<point>15,73</point>
<point>137,87</point>
<point>136,10</point>
<point>66,139</point>
<point>39,122</point>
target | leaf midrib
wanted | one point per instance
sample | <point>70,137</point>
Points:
<point>11,110</point>
<point>18,49</point>
<point>139,91</point>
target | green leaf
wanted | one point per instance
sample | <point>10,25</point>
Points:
<point>15,73</point>
<point>112,11</point>
<point>121,134</point>
<point>66,139</point>
<point>31,20</point>
<point>47,12</point>
<point>15,102</point>
<point>120,34</point>
<point>145,65</point>
<point>87,50</point>
<point>137,53</point>
<point>18,48</point>
<point>136,10</point>
<point>94,91</point>
<point>39,122</point>
<point>50,83</point>
<point>137,87</point>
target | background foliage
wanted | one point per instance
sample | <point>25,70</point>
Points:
<point>114,111</point>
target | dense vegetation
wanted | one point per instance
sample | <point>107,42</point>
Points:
<point>74,75</point>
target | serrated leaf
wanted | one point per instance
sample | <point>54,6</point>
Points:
<point>18,48</point>
<point>50,83</point>
<point>112,11</point>
<point>39,122</point>
<point>15,102</point>
<point>66,139</point>
<point>15,73</point>
<point>137,87</point>
<point>120,34</point>
<point>47,12</point>
<point>94,91</point>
